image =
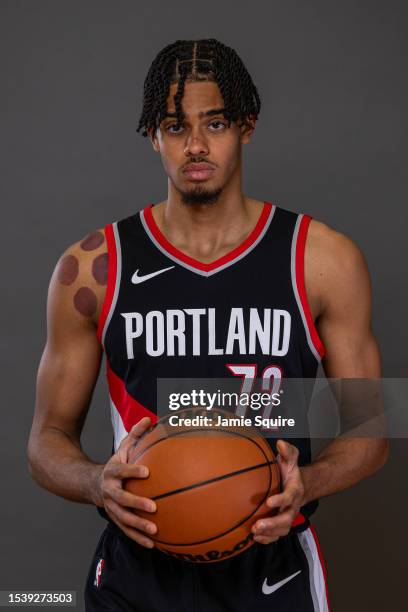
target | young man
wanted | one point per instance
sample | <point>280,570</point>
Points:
<point>159,292</point>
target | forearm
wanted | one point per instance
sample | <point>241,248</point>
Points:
<point>58,464</point>
<point>342,464</point>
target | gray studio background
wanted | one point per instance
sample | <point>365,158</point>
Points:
<point>330,142</point>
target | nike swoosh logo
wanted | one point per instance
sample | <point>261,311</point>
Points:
<point>136,279</point>
<point>268,590</point>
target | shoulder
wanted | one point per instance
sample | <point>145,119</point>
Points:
<point>84,259</point>
<point>334,263</point>
<point>332,249</point>
<point>81,273</point>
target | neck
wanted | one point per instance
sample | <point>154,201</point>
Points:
<point>207,231</point>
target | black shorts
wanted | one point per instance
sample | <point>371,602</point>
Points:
<point>285,576</point>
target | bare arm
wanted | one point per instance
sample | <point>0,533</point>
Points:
<point>337,272</point>
<point>66,378</point>
<point>67,375</point>
<point>338,287</point>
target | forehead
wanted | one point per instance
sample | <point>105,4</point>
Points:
<point>198,97</point>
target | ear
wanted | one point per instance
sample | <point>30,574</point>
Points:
<point>247,130</point>
<point>153,139</point>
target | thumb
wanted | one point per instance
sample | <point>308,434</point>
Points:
<point>287,452</point>
<point>133,436</point>
<point>139,429</point>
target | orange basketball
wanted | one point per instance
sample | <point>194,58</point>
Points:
<point>210,485</point>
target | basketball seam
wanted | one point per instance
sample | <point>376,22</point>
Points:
<point>215,479</point>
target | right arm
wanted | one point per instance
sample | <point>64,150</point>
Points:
<point>67,375</point>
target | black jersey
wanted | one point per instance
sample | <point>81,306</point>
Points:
<point>167,315</point>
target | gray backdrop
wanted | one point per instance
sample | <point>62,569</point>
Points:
<point>329,142</point>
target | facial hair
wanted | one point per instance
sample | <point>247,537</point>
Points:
<point>200,195</point>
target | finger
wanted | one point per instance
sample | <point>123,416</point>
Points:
<point>276,501</point>
<point>120,471</point>
<point>275,533</point>
<point>139,429</point>
<point>271,525</point>
<point>129,500</point>
<point>265,540</point>
<point>135,535</point>
<point>129,519</point>
<point>132,438</point>
<point>289,497</point>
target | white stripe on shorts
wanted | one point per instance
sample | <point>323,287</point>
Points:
<point>316,573</point>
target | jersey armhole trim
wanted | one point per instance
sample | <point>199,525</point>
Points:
<point>112,287</point>
<point>299,287</point>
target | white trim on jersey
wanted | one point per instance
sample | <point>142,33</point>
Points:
<point>117,280</point>
<point>295,288</point>
<point>316,573</point>
<point>219,268</point>
<point>119,431</point>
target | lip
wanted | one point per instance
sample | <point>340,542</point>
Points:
<point>198,172</point>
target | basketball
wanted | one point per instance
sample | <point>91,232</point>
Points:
<point>210,485</point>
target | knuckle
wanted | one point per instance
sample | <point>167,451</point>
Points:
<point>113,470</point>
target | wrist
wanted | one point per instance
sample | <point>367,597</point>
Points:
<point>306,473</point>
<point>95,487</point>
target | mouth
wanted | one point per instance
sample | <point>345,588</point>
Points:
<point>198,172</point>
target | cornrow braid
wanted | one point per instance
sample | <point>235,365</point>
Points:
<point>197,60</point>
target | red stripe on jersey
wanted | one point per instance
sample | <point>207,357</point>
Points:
<point>207,267</point>
<point>322,563</point>
<point>300,282</point>
<point>130,410</point>
<point>110,288</point>
<point>298,520</point>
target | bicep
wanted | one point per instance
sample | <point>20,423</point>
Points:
<point>352,353</point>
<point>345,322</point>
<point>69,365</point>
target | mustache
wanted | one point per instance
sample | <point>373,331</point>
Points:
<point>198,160</point>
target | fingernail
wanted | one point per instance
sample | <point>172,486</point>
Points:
<point>152,507</point>
<point>145,471</point>
<point>151,528</point>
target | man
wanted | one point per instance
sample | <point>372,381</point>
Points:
<point>160,292</point>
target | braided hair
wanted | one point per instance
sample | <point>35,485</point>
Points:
<point>197,60</point>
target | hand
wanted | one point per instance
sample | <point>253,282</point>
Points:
<point>288,502</point>
<point>116,500</point>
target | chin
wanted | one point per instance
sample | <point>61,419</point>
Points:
<point>200,195</point>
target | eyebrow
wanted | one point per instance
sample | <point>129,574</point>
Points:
<point>209,113</point>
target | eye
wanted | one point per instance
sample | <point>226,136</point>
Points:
<point>170,129</point>
<point>217,125</point>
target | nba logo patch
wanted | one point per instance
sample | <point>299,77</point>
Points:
<point>98,572</point>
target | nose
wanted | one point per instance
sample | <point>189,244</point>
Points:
<point>196,144</point>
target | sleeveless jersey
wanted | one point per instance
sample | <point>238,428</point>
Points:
<point>167,315</point>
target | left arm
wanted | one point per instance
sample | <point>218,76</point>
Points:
<point>339,292</point>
